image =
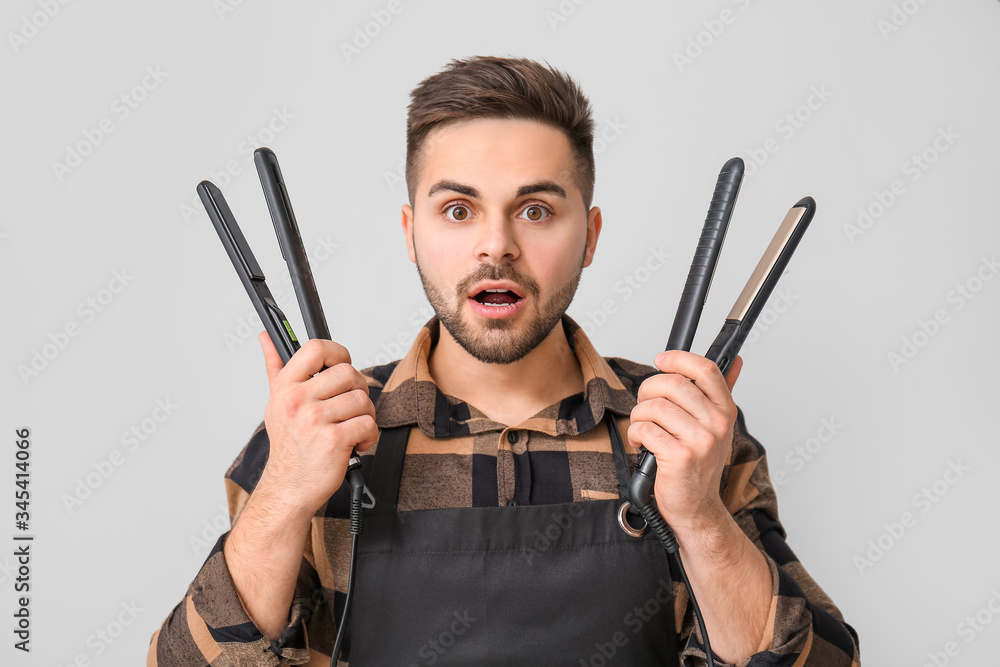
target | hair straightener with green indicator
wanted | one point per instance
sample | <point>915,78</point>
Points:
<point>274,320</point>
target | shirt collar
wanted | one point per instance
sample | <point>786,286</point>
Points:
<point>410,396</point>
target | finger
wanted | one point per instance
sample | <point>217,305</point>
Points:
<point>343,407</point>
<point>649,435</point>
<point>734,372</point>
<point>334,381</point>
<point>361,431</point>
<point>272,360</point>
<point>313,356</point>
<point>705,373</point>
<point>679,390</point>
<point>672,419</point>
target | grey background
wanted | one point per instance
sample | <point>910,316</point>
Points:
<point>177,332</point>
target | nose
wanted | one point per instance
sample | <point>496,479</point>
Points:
<point>496,241</point>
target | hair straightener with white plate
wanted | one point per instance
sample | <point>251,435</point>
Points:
<point>727,343</point>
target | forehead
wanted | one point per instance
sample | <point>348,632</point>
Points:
<point>496,155</point>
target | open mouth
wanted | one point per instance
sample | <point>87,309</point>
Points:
<point>497,297</point>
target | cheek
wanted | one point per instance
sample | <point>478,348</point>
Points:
<point>437,263</point>
<point>431,243</point>
<point>559,259</point>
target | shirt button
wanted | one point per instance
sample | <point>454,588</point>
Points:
<point>512,437</point>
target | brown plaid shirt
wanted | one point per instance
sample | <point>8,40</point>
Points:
<point>457,457</point>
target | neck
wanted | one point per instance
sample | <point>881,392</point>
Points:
<point>511,393</point>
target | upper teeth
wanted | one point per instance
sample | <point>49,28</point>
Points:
<point>496,290</point>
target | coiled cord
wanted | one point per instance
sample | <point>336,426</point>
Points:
<point>357,483</point>
<point>641,496</point>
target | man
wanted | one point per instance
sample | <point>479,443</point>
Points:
<point>494,539</point>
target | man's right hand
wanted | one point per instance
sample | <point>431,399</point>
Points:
<point>314,418</point>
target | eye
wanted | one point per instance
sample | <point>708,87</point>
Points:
<point>536,213</point>
<point>457,212</point>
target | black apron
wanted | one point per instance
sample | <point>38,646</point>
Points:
<point>557,584</point>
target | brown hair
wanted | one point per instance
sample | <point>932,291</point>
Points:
<point>511,88</point>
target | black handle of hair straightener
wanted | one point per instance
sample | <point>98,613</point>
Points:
<point>290,240</point>
<point>692,302</point>
<point>706,256</point>
<point>293,251</point>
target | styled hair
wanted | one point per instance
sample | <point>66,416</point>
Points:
<point>507,88</point>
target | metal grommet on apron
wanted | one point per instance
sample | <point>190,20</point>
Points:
<point>624,524</point>
<point>557,584</point>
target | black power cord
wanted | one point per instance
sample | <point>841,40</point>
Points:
<point>641,494</point>
<point>357,483</point>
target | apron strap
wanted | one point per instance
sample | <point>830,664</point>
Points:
<point>621,461</point>
<point>387,468</point>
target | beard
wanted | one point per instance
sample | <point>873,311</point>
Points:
<point>501,341</point>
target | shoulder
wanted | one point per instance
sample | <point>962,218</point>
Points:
<point>377,377</point>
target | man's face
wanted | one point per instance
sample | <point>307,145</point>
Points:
<point>499,233</point>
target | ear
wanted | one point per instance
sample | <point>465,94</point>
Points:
<point>408,231</point>
<point>593,232</point>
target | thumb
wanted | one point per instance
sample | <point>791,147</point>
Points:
<point>272,360</point>
<point>734,372</point>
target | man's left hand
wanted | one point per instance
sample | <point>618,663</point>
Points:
<point>685,418</point>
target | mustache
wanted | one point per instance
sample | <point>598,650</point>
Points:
<point>505,272</point>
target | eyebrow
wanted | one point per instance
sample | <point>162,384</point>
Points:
<point>542,186</point>
<point>444,185</point>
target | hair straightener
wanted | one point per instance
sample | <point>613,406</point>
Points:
<point>727,344</point>
<point>277,326</point>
